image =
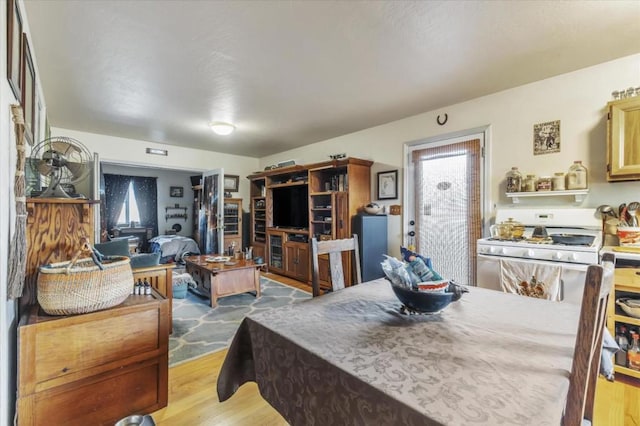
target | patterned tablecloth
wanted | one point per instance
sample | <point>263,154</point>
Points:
<point>350,357</point>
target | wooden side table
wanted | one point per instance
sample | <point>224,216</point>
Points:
<point>218,279</point>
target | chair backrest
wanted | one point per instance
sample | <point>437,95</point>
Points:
<point>334,248</point>
<point>588,346</point>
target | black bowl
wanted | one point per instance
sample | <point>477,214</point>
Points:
<point>423,302</point>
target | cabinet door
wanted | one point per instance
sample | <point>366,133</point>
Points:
<point>302,270</point>
<point>623,150</point>
<point>276,252</point>
<point>341,216</point>
<point>297,260</point>
<point>290,260</point>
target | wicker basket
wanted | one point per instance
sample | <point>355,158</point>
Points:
<point>82,286</point>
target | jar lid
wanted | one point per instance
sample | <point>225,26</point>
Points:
<point>558,174</point>
<point>531,176</point>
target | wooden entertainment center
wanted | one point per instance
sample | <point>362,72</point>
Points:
<point>290,205</point>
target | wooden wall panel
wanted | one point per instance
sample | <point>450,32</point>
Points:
<point>55,228</point>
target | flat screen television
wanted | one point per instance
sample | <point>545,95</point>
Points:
<point>291,207</point>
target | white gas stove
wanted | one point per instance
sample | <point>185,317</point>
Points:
<point>577,229</point>
<point>574,227</point>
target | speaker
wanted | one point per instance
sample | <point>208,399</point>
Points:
<point>372,243</point>
<point>196,180</point>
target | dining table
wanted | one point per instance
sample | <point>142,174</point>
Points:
<point>352,357</point>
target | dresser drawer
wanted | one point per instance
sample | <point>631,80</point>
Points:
<point>100,400</point>
<point>54,351</point>
<point>77,347</point>
<point>628,278</point>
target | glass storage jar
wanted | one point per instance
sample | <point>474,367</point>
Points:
<point>544,183</point>
<point>577,176</point>
<point>514,180</point>
<point>517,228</point>
<point>557,181</point>
<point>530,183</point>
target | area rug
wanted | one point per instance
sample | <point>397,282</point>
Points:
<point>199,329</point>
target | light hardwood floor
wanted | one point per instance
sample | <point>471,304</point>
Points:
<point>193,400</point>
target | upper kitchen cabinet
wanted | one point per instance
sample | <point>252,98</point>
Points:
<point>623,139</point>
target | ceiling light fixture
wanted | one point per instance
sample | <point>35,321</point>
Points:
<point>220,128</point>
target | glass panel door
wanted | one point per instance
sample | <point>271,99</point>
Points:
<point>445,184</point>
<point>210,215</point>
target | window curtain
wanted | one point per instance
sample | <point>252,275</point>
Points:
<point>448,206</point>
<point>145,190</point>
<point>115,190</point>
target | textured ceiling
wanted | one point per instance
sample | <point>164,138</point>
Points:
<point>291,73</point>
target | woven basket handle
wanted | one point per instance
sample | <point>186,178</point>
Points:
<point>84,247</point>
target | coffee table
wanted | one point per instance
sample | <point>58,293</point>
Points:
<point>219,279</point>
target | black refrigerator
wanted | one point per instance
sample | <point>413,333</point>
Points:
<point>372,240</point>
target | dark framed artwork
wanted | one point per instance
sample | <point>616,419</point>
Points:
<point>37,132</point>
<point>28,90</point>
<point>14,48</point>
<point>47,128</point>
<point>546,137</point>
<point>231,183</point>
<point>176,191</point>
<point>388,185</point>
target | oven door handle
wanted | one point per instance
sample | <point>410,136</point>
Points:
<point>565,265</point>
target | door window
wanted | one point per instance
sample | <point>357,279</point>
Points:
<point>444,191</point>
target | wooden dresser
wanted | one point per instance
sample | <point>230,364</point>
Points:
<point>96,368</point>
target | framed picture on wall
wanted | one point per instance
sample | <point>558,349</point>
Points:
<point>546,137</point>
<point>388,185</point>
<point>37,133</point>
<point>231,183</point>
<point>176,191</point>
<point>28,90</point>
<point>14,48</point>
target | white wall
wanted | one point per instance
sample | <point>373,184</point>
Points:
<point>166,179</point>
<point>578,99</point>
<point>131,152</point>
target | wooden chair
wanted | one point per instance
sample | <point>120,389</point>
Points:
<point>334,248</point>
<point>588,347</point>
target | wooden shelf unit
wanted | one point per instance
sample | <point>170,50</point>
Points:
<point>258,217</point>
<point>338,190</point>
<point>578,194</point>
<point>626,284</point>
<point>232,212</point>
<point>169,214</point>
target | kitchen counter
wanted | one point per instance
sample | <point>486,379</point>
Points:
<point>631,257</point>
